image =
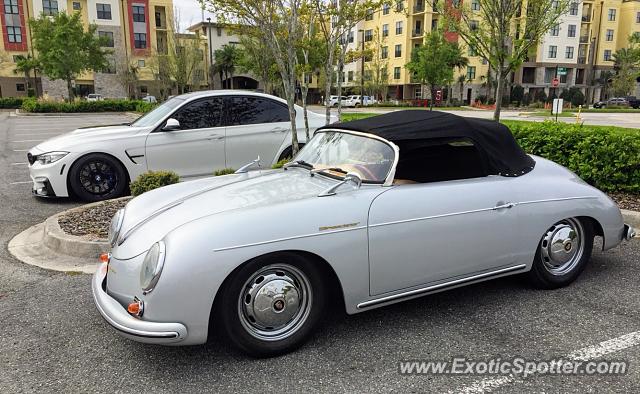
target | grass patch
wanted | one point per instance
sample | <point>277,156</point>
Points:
<point>223,171</point>
<point>548,114</point>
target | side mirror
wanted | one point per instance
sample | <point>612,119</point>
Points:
<point>171,125</point>
<point>351,177</point>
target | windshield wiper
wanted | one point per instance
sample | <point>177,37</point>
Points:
<point>299,163</point>
<point>334,169</point>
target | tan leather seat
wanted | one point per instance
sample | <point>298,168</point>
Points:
<point>403,182</point>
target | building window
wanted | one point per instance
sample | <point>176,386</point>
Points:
<point>553,51</point>
<point>549,74</point>
<point>472,51</point>
<point>573,8</point>
<point>14,34</point>
<point>20,87</point>
<point>555,30</point>
<point>398,50</point>
<point>611,15</point>
<point>108,38</point>
<point>104,11</point>
<point>607,54</point>
<point>385,30</point>
<point>140,63</point>
<point>350,36</point>
<point>609,34</point>
<point>568,53</point>
<point>384,52</point>
<point>637,17</point>
<point>471,72</point>
<point>11,7</point>
<point>144,89</point>
<point>49,7</point>
<point>399,27</point>
<point>76,6</point>
<point>158,16</point>
<point>140,40</point>
<point>475,5</point>
<point>138,13</point>
<point>385,9</point>
<point>219,31</point>
<point>399,5</point>
<point>571,32</point>
<point>396,73</point>
<point>342,76</point>
<point>350,76</point>
<point>368,35</point>
<point>369,15</point>
<point>473,25</point>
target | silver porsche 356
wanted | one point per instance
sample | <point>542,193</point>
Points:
<point>377,211</point>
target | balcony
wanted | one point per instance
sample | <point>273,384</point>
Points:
<point>586,18</point>
<point>416,33</point>
<point>418,8</point>
<point>582,60</point>
<point>584,39</point>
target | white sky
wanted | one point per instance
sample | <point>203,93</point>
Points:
<point>190,12</point>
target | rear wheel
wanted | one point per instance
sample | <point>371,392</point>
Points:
<point>563,253</point>
<point>97,177</point>
<point>271,305</point>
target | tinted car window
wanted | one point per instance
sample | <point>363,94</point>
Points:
<point>200,114</point>
<point>255,110</point>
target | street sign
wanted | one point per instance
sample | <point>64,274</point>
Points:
<point>557,106</point>
<point>438,95</point>
<point>562,71</point>
<point>555,82</point>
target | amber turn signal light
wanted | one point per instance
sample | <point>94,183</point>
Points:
<point>105,257</point>
<point>134,308</point>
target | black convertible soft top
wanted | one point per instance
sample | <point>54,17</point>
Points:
<point>409,128</point>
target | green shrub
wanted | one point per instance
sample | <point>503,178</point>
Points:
<point>11,102</point>
<point>605,157</point>
<point>43,106</point>
<point>224,171</point>
<point>152,180</point>
<point>281,163</point>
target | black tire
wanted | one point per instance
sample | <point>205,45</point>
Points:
<point>288,152</point>
<point>233,310</point>
<point>544,274</point>
<point>97,177</point>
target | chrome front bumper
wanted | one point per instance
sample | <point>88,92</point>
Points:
<point>128,326</point>
<point>628,233</point>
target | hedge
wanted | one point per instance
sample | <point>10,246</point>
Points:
<point>606,157</point>
<point>11,102</point>
<point>39,106</point>
<point>152,180</point>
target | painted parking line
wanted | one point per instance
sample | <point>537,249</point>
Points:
<point>585,354</point>
<point>31,134</point>
<point>19,164</point>
<point>21,150</point>
<point>20,183</point>
<point>18,141</point>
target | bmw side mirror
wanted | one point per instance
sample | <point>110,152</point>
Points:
<point>171,125</point>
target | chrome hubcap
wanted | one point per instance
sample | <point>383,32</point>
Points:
<point>562,246</point>
<point>275,302</point>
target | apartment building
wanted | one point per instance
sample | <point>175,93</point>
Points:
<point>576,51</point>
<point>135,30</point>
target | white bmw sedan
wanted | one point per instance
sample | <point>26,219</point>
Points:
<point>193,135</point>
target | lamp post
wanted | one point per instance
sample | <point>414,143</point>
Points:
<point>210,53</point>
<point>362,66</point>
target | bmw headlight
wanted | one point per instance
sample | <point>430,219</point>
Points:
<point>116,225</point>
<point>152,267</point>
<point>50,157</point>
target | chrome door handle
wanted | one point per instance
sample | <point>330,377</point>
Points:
<point>507,205</point>
<point>215,137</point>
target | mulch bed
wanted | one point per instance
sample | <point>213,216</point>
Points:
<point>93,222</point>
<point>626,200</point>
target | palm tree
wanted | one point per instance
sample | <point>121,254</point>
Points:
<point>226,60</point>
<point>25,65</point>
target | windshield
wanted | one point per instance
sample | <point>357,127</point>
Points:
<point>158,113</point>
<point>341,152</point>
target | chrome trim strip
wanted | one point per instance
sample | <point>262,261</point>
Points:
<point>557,199</point>
<point>431,217</point>
<point>289,238</point>
<point>440,286</point>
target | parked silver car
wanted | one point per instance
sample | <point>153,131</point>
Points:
<point>375,211</point>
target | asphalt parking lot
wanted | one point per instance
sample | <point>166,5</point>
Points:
<point>53,339</point>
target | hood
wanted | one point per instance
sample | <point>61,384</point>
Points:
<point>80,137</point>
<point>149,217</point>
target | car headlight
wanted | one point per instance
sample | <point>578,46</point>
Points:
<point>50,157</point>
<point>116,225</point>
<point>152,267</point>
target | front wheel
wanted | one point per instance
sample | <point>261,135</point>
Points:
<point>271,305</point>
<point>97,177</point>
<point>563,253</point>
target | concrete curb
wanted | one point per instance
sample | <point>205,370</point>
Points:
<point>19,112</point>
<point>45,245</point>
<point>631,218</point>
